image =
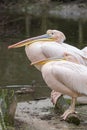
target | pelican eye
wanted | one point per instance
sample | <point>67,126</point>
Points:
<point>52,33</point>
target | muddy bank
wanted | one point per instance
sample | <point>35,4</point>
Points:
<point>40,115</point>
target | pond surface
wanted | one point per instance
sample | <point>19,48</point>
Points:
<point>15,68</point>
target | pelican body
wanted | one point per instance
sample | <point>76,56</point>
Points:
<point>66,77</point>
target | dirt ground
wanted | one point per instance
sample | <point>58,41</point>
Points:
<point>41,115</point>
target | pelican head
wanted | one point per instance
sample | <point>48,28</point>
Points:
<point>58,36</point>
<point>51,35</point>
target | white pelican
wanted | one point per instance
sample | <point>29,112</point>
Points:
<point>66,77</point>
<point>48,46</point>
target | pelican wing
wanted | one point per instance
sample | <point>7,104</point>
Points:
<point>74,49</point>
<point>73,76</point>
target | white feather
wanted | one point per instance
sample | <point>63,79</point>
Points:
<point>71,75</point>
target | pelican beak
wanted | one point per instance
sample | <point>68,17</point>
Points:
<point>40,62</point>
<point>28,41</point>
<point>44,61</point>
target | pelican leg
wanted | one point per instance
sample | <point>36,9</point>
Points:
<point>55,96</point>
<point>70,110</point>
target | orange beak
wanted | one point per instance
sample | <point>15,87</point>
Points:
<point>28,41</point>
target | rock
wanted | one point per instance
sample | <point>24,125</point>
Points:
<point>73,118</point>
<point>25,90</point>
<point>61,105</point>
<point>40,115</point>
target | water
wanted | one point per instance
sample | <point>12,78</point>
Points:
<point>15,68</point>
